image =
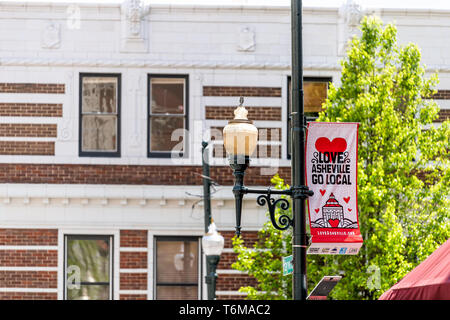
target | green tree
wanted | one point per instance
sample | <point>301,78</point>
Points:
<point>403,169</point>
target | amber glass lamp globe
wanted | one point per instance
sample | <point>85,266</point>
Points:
<point>240,136</point>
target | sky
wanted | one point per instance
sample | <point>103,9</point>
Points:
<point>423,4</point>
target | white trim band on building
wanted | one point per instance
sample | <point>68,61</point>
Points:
<point>130,249</point>
<point>133,291</point>
<point>133,270</point>
<point>34,290</point>
<point>29,247</point>
<point>48,269</point>
<point>230,293</point>
<point>230,271</point>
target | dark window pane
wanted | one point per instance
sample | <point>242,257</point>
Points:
<point>99,95</point>
<point>315,94</point>
<point>161,129</point>
<point>167,96</point>
<point>177,262</point>
<point>89,292</point>
<point>92,257</point>
<point>177,293</point>
<point>99,133</point>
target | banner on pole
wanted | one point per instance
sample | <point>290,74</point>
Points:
<point>331,172</point>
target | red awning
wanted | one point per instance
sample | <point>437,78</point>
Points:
<point>430,280</point>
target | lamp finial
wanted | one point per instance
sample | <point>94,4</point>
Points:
<point>241,113</point>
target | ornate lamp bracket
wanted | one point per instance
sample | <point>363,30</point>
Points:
<point>284,221</point>
<point>265,198</point>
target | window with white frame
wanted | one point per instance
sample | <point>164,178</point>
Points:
<point>177,270</point>
<point>167,115</point>
<point>88,267</point>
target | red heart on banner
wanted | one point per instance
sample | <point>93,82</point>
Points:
<point>347,199</point>
<point>322,192</point>
<point>349,209</point>
<point>333,222</point>
<point>317,210</point>
<point>324,144</point>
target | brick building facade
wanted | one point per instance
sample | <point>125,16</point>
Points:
<point>88,93</point>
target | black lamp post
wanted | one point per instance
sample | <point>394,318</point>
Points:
<point>206,186</point>
<point>212,244</point>
<point>240,139</point>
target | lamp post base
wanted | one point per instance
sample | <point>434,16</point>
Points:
<point>211,277</point>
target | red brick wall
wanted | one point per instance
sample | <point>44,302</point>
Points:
<point>32,88</point>
<point>226,260</point>
<point>28,279</point>
<point>133,281</point>
<point>30,148</point>
<point>444,114</point>
<point>28,296</point>
<point>31,110</point>
<point>249,237</point>
<point>28,130</point>
<point>133,297</point>
<point>234,281</point>
<point>133,260</point>
<point>127,174</point>
<point>261,151</point>
<point>254,113</point>
<point>24,237</point>
<point>130,260</point>
<point>264,134</point>
<point>229,91</point>
<point>26,258</point>
<point>133,238</point>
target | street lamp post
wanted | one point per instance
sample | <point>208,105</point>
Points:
<point>240,139</point>
<point>212,244</point>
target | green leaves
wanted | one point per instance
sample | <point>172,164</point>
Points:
<point>403,173</point>
<point>403,217</point>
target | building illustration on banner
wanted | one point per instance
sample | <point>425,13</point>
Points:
<point>333,215</point>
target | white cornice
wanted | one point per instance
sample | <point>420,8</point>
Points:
<point>26,5</point>
<point>47,192</point>
<point>134,63</point>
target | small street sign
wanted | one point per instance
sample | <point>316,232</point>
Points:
<point>288,267</point>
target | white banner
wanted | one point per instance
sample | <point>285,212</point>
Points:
<point>331,172</point>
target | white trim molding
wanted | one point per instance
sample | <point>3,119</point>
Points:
<point>37,290</point>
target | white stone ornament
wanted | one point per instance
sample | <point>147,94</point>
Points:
<point>65,132</point>
<point>134,15</point>
<point>51,36</point>
<point>246,39</point>
<point>134,34</point>
<point>350,15</point>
